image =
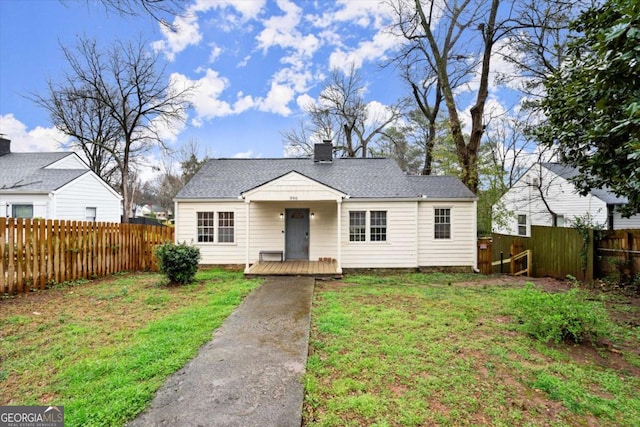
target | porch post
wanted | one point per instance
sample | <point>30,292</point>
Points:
<point>247,204</point>
<point>339,256</point>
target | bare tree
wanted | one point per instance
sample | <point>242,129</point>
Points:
<point>127,83</point>
<point>94,131</point>
<point>342,116</point>
<point>156,9</point>
<point>539,46</point>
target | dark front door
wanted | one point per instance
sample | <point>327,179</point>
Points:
<point>297,234</point>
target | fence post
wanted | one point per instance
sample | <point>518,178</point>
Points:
<point>591,255</point>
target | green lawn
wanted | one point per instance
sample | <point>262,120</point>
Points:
<point>399,350</point>
<point>413,350</point>
<point>103,348</point>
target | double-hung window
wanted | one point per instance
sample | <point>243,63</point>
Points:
<point>90,214</point>
<point>522,225</point>
<point>378,228</point>
<point>442,223</point>
<point>357,226</point>
<point>206,226</point>
<point>373,221</point>
<point>225,227</point>
<point>216,227</point>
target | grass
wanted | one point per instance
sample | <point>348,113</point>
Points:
<point>412,350</point>
<point>103,348</point>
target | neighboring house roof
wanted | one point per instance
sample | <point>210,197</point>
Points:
<point>25,172</point>
<point>356,177</point>
<point>567,172</point>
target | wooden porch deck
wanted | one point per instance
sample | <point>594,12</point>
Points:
<point>294,268</point>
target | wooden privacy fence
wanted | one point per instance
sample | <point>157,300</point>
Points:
<point>560,251</point>
<point>37,253</point>
<point>556,251</point>
<point>618,252</point>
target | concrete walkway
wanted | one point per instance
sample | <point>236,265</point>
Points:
<point>250,373</point>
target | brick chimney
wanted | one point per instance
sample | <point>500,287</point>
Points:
<point>323,152</point>
<point>5,146</point>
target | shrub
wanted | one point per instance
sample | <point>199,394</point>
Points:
<point>178,262</point>
<point>561,316</point>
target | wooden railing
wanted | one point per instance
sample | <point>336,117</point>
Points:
<point>38,253</point>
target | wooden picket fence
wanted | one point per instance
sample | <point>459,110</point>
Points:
<point>37,253</point>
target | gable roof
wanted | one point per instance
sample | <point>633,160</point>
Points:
<point>567,172</point>
<point>356,177</point>
<point>25,172</point>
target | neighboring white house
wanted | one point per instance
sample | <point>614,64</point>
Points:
<point>545,196</point>
<point>362,212</point>
<point>57,185</point>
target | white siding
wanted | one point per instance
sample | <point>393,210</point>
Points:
<point>71,161</point>
<point>266,229</point>
<point>400,248</point>
<point>525,199</point>
<point>212,253</point>
<point>620,223</point>
<point>460,249</point>
<point>70,202</point>
<point>293,187</point>
<point>40,202</point>
<point>409,243</point>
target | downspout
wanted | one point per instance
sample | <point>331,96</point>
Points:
<point>339,255</point>
<point>475,233</point>
<point>417,221</point>
<point>247,204</point>
<point>175,222</point>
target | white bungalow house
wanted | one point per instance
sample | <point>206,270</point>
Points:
<point>360,212</point>
<point>545,196</point>
<point>57,185</point>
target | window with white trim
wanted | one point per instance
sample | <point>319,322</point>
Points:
<point>206,226</point>
<point>522,225</point>
<point>22,211</point>
<point>216,227</point>
<point>90,214</point>
<point>225,227</point>
<point>442,223</point>
<point>357,226</point>
<point>378,226</point>
<point>373,221</point>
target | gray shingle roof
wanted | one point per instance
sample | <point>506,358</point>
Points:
<point>567,172</point>
<point>24,172</point>
<point>356,177</point>
<point>440,187</point>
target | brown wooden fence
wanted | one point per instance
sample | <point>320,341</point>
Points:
<point>37,253</point>
<point>558,252</point>
<point>618,253</point>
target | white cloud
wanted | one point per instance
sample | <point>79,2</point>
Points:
<point>185,29</point>
<point>37,139</point>
<point>206,95</point>
<point>243,103</point>
<point>215,52</point>
<point>368,50</point>
<point>184,32</point>
<point>303,101</point>
<point>277,100</point>
<point>244,155</point>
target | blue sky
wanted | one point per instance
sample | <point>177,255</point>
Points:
<point>255,63</point>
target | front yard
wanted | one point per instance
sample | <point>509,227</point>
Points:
<point>417,350</point>
<point>397,350</point>
<point>103,348</point>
